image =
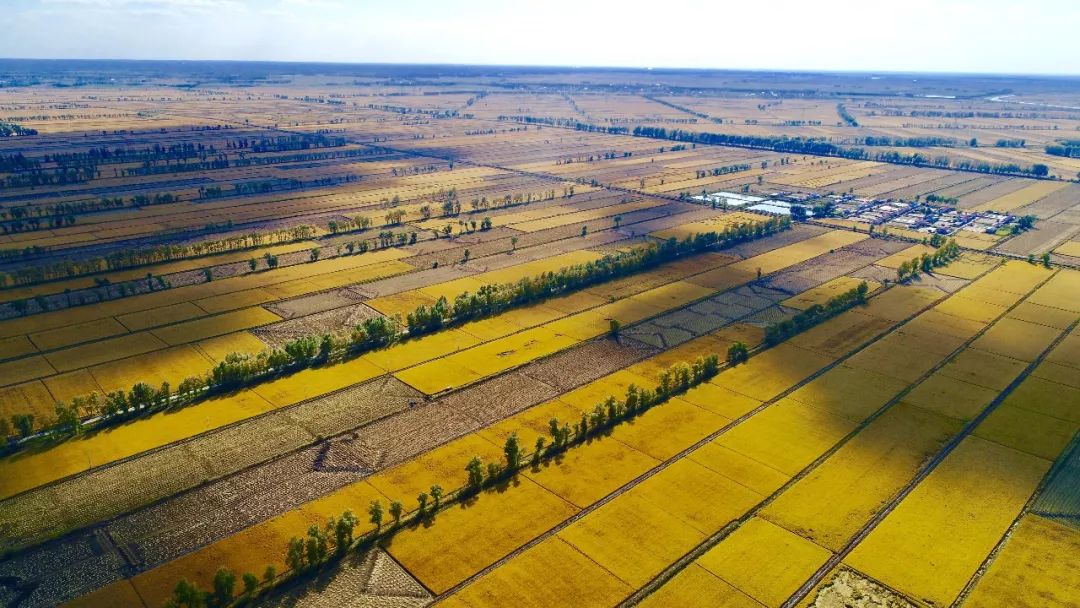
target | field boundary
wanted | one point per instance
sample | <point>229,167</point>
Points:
<point>678,456</point>
<point>928,467</point>
<point>720,535</point>
<point>1074,444</point>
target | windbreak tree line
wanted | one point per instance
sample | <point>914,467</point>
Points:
<point>778,332</point>
<point>322,545</point>
<point>130,258</point>
<point>491,299</point>
<point>822,147</point>
<point>239,370</point>
<point>927,262</point>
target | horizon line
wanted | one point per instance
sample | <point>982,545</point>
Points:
<point>906,72</point>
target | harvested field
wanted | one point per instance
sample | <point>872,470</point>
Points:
<point>372,579</point>
<point>1059,500</point>
<point>332,197</point>
<point>277,334</point>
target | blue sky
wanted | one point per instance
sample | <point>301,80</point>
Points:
<point>996,36</point>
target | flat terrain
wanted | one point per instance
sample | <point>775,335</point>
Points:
<point>917,449</point>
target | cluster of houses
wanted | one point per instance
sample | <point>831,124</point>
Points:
<point>920,217</point>
<point>917,216</point>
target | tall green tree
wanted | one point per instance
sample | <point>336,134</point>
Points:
<point>375,514</point>
<point>396,509</point>
<point>224,587</point>
<point>512,451</point>
<point>475,470</point>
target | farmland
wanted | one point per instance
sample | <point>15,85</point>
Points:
<point>232,313</point>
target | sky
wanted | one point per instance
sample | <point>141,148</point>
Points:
<point>984,36</point>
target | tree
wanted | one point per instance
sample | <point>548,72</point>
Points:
<point>421,503</point>
<point>903,271</point>
<point>375,514</point>
<point>224,585</point>
<point>512,451</point>
<point>436,496</point>
<point>396,509</point>
<point>317,547</point>
<point>584,231</point>
<point>252,264</point>
<point>314,254</point>
<point>294,555</point>
<point>187,595</point>
<point>618,220</point>
<point>614,327</point>
<point>513,243</point>
<point>343,531</point>
<point>540,441</point>
<point>1046,259</point>
<point>251,583</point>
<point>269,574</point>
<point>475,469</point>
<point>141,395</point>
<point>326,346</point>
<point>24,423</point>
<point>466,256</point>
<point>738,353</point>
<point>67,417</point>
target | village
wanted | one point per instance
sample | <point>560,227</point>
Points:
<point>919,216</point>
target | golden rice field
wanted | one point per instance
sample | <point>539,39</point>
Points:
<point>617,513</point>
<point>893,450</point>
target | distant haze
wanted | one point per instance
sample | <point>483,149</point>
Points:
<point>988,36</point>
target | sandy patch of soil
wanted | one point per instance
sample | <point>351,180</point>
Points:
<point>850,590</point>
